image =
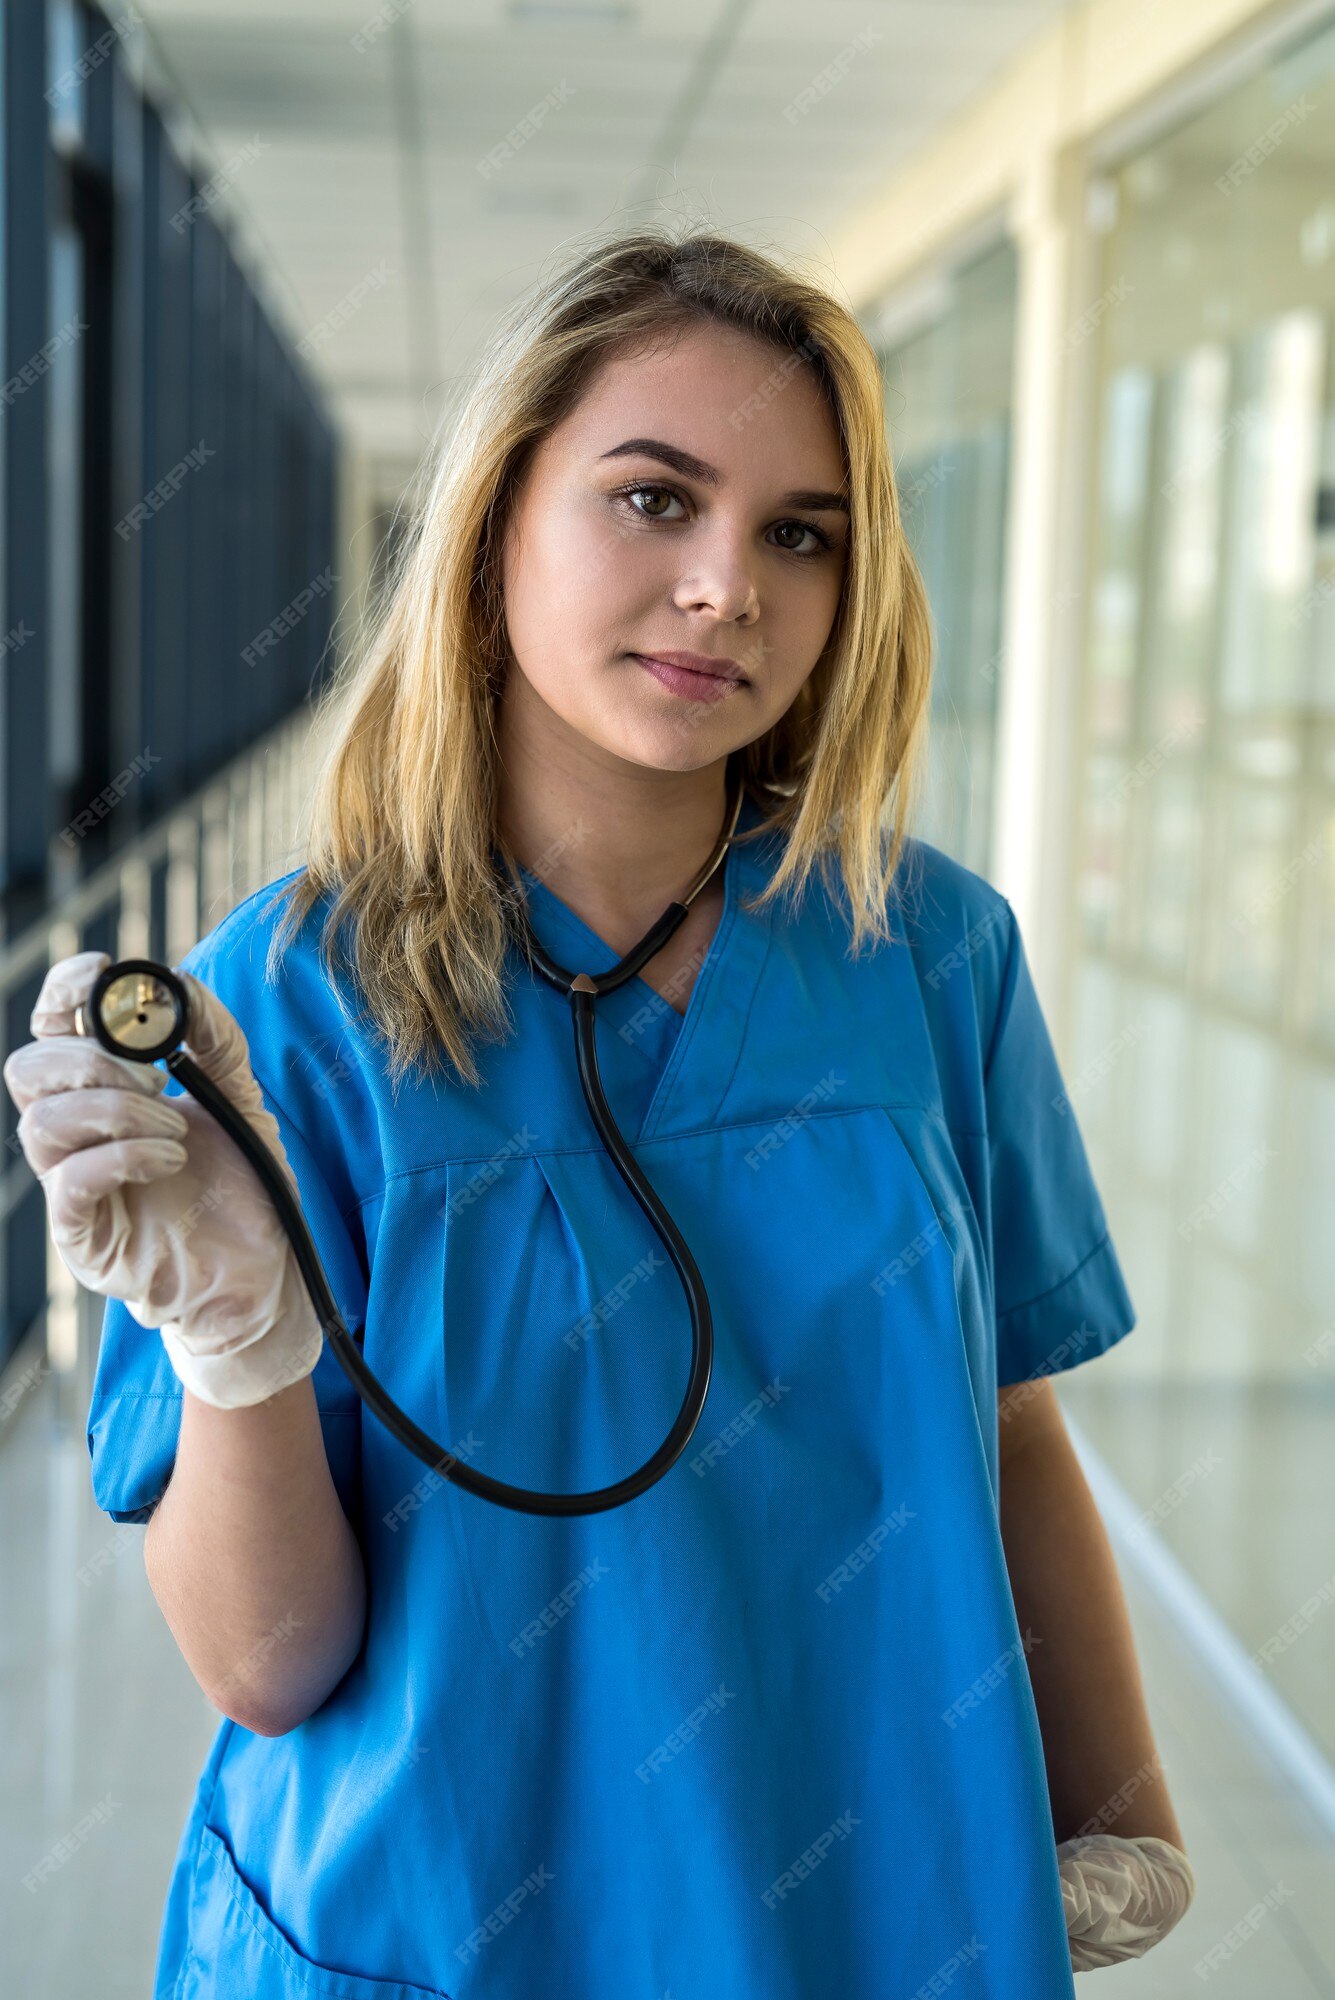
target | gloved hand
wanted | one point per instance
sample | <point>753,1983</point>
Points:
<point>150,1201</point>
<point>1120,1896</point>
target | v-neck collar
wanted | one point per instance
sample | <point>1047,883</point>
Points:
<point>703,1060</point>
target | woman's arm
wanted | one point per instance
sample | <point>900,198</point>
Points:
<point>1103,1769</point>
<point>253,1562</point>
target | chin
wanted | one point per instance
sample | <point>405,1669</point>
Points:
<point>663,747</point>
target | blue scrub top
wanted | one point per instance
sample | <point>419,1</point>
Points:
<point>768,1731</point>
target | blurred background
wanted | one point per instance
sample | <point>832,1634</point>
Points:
<point>248,251</point>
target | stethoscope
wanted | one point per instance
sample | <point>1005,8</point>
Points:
<point>140,1010</point>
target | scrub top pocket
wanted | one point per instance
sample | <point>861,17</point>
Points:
<point>236,1948</point>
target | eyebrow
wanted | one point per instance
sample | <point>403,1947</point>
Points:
<point>695,468</point>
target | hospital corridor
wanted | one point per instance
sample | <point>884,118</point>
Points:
<point>307,306</point>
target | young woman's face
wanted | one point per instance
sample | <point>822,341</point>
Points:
<point>689,504</point>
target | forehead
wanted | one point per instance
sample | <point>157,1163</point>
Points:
<point>747,407</point>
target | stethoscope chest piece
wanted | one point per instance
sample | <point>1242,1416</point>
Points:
<point>137,1009</point>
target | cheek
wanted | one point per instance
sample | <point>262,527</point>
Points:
<point>570,588</point>
<point>804,622</point>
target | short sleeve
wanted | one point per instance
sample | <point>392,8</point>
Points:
<point>1060,1294</point>
<point>134,1415</point>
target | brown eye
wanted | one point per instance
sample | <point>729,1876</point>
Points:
<point>821,539</point>
<point>663,492</point>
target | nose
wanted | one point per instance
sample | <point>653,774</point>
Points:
<point>720,579</point>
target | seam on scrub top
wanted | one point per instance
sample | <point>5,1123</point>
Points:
<point>667,1139</point>
<point>750,1006</point>
<point>130,1396</point>
<point>1007,995</point>
<point>690,1030</point>
<point>1074,1272</point>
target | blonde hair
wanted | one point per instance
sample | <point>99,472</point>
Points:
<point>403,811</point>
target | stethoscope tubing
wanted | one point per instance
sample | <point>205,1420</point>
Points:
<point>583,990</point>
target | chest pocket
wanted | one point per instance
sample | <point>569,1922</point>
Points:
<point>236,1947</point>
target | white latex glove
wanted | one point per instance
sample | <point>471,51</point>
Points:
<point>1120,1896</point>
<point>150,1201</point>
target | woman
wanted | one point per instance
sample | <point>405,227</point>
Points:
<point>773,1728</point>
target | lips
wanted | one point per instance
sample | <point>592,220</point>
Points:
<point>693,684</point>
<point>698,663</point>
